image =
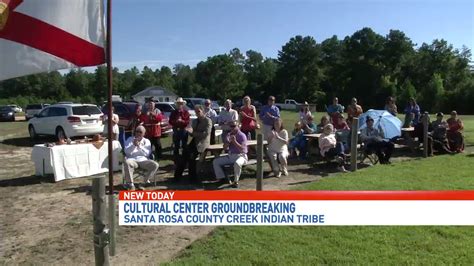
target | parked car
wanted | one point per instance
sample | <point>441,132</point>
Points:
<point>7,113</point>
<point>191,102</point>
<point>126,111</point>
<point>67,120</point>
<point>32,109</point>
<point>16,108</point>
<point>216,107</point>
<point>168,107</point>
<point>288,105</point>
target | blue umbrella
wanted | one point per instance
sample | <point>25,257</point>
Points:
<point>390,124</point>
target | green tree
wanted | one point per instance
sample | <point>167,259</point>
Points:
<point>259,73</point>
<point>128,78</point>
<point>300,73</point>
<point>77,82</point>
<point>52,86</point>
<point>220,77</point>
<point>335,73</point>
<point>164,78</point>
<point>146,79</point>
<point>407,91</point>
<point>362,53</point>
<point>433,94</point>
<point>99,84</point>
<point>184,80</point>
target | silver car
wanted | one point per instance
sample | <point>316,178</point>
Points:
<point>16,108</point>
<point>33,109</point>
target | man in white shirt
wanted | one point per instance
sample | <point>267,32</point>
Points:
<point>211,114</point>
<point>226,118</point>
<point>138,152</point>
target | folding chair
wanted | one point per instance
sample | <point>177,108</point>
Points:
<point>366,154</point>
<point>137,172</point>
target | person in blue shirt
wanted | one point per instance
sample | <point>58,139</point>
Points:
<point>269,114</point>
<point>310,127</point>
<point>413,109</point>
<point>298,141</point>
<point>335,109</point>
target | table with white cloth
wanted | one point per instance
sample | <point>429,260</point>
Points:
<point>75,160</point>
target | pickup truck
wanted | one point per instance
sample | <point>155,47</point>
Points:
<point>288,105</point>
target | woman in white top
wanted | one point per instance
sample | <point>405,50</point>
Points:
<point>329,147</point>
<point>115,127</point>
<point>278,148</point>
<point>304,113</point>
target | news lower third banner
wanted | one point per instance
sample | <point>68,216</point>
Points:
<point>191,208</point>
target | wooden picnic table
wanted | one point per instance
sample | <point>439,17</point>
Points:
<point>313,135</point>
<point>216,149</point>
<point>408,129</point>
<point>409,140</point>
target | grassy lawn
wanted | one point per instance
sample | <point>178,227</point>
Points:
<point>16,129</point>
<point>332,245</point>
<point>272,245</point>
<point>418,174</point>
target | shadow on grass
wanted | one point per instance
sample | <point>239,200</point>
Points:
<point>26,181</point>
<point>26,141</point>
<point>300,183</point>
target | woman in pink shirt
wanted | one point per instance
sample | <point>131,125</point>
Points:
<point>248,115</point>
<point>455,137</point>
<point>329,147</point>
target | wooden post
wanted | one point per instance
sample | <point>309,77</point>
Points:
<point>354,140</point>
<point>259,162</point>
<point>112,225</point>
<point>425,122</point>
<point>101,247</point>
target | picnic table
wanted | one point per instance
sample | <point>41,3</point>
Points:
<point>216,149</point>
<point>409,139</point>
<point>68,161</point>
<point>313,135</point>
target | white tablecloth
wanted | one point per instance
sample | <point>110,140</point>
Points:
<point>72,161</point>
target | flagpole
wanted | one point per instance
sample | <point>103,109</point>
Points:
<point>109,95</point>
<point>109,127</point>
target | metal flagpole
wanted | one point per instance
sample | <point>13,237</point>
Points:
<point>109,127</point>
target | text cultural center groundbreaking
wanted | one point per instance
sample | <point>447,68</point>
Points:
<point>296,208</point>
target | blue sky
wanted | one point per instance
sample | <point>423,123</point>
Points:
<point>166,32</point>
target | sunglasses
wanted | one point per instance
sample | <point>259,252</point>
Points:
<point>233,126</point>
<point>141,132</point>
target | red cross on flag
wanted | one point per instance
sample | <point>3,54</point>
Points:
<point>46,35</point>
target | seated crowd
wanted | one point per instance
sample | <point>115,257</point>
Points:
<point>239,126</point>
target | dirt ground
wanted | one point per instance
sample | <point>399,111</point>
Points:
<point>43,222</point>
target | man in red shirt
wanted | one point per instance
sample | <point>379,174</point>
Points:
<point>179,120</point>
<point>152,123</point>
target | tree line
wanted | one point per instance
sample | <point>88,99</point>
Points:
<point>365,65</point>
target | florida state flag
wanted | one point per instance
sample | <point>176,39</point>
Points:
<point>45,35</point>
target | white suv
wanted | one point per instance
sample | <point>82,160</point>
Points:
<point>67,120</point>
